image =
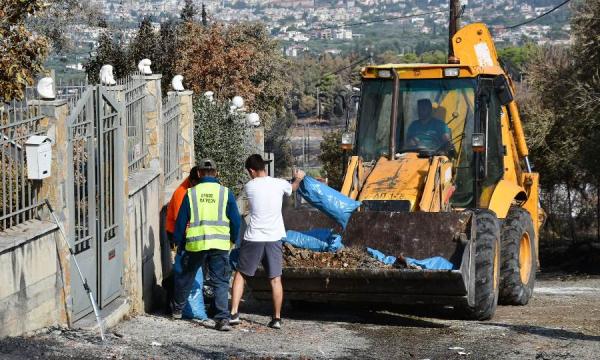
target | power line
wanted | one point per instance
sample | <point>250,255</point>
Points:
<point>376,21</point>
<point>345,67</point>
<point>538,17</point>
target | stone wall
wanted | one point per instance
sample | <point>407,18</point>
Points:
<point>32,294</point>
<point>148,254</point>
<point>35,272</point>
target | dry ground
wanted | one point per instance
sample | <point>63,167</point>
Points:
<point>561,322</point>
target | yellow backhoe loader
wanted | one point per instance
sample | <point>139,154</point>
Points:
<point>440,164</point>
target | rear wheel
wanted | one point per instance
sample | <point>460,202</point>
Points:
<point>518,258</point>
<point>487,267</point>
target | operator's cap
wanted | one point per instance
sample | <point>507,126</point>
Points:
<point>207,164</point>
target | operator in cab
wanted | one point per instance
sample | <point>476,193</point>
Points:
<point>427,132</point>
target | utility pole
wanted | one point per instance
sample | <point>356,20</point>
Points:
<point>318,104</point>
<point>204,16</point>
<point>453,26</point>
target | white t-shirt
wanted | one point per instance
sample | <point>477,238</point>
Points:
<point>265,196</point>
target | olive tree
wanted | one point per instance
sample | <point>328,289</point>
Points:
<point>222,135</point>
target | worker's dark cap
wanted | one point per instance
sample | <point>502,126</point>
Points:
<point>207,164</point>
<point>256,162</point>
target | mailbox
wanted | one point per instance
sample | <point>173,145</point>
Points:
<point>39,157</point>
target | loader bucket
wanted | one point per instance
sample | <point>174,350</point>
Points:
<point>417,235</point>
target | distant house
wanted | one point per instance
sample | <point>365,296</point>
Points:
<point>292,3</point>
<point>342,34</point>
<point>295,50</point>
<point>325,34</point>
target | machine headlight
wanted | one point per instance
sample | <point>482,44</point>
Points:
<point>451,72</point>
<point>347,138</point>
<point>478,142</point>
<point>384,73</point>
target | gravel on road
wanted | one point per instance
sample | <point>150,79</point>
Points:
<point>562,321</point>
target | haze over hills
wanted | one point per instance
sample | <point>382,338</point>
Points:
<point>299,21</point>
<point>339,26</point>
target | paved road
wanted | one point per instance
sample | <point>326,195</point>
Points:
<point>561,322</point>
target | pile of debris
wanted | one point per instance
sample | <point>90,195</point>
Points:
<point>345,258</point>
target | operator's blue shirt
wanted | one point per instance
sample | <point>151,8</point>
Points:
<point>429,134</point>
<point>183,217</point>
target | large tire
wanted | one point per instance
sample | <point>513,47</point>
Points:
<point>519,264</point>
<point>487,264</point>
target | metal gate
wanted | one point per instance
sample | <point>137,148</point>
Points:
<point>96,195</point>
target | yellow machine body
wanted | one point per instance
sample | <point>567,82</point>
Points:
<point>426,202</point>
<point>427,183</point>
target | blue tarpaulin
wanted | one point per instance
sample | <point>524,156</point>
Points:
<point>388,260</point>
<point>332,203</point>
<point>432,263</point>
<point>194,307</point>
<point>319,240</point>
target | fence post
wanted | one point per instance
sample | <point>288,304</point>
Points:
<point>186,156</point>
<point>153,114</point>
<point>257,140</point>
<point>54,188</point>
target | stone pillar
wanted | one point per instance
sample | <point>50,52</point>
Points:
<point>187,156</point>
<point>257,141</point>
<point>54,188</point>
<point>153,118</point>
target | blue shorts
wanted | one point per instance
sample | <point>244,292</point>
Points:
<point>269,253</point>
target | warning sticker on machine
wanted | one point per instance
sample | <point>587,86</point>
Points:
<point>483,55</point>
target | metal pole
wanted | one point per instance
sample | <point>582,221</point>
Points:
<point>453,26</point>
<point>308,147</point>
<point>394,114</point>
<point>304,146</point>
<point>83,279</point>
<point>318,104</point>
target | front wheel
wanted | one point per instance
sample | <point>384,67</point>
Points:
<point>487,264</point>
<point>518,258</point>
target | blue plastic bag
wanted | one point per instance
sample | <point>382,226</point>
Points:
<point>194,307</point>
<point>303,241</point>
<point>334,204</point>
<point>320,240</point>
<point>335,243</point>
<point>388,260</point>
<point>320,233</point>
<point>433,263</point>
<point>327,235</point>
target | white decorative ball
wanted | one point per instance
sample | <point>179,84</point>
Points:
<point>238,102</point>
<point>253,119</point>
<point>45,88</point>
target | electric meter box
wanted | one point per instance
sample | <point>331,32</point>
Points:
<point>39,157</point>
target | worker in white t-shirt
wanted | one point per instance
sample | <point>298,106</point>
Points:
<point>262,239</point>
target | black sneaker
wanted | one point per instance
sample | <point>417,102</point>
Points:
<point>176,315</point>
<point>275,323</point>
<point>223,325</point>
<point>235,319</point>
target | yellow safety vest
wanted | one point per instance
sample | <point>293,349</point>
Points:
<point>209,225</point>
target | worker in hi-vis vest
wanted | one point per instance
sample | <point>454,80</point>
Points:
<point>207,227</point>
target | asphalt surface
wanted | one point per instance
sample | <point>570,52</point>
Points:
<point>562,321</point>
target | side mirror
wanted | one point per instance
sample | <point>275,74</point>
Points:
<point>347,141</point>
<point>502,89</point>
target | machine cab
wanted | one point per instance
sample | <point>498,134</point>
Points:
<point>439,110</point>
